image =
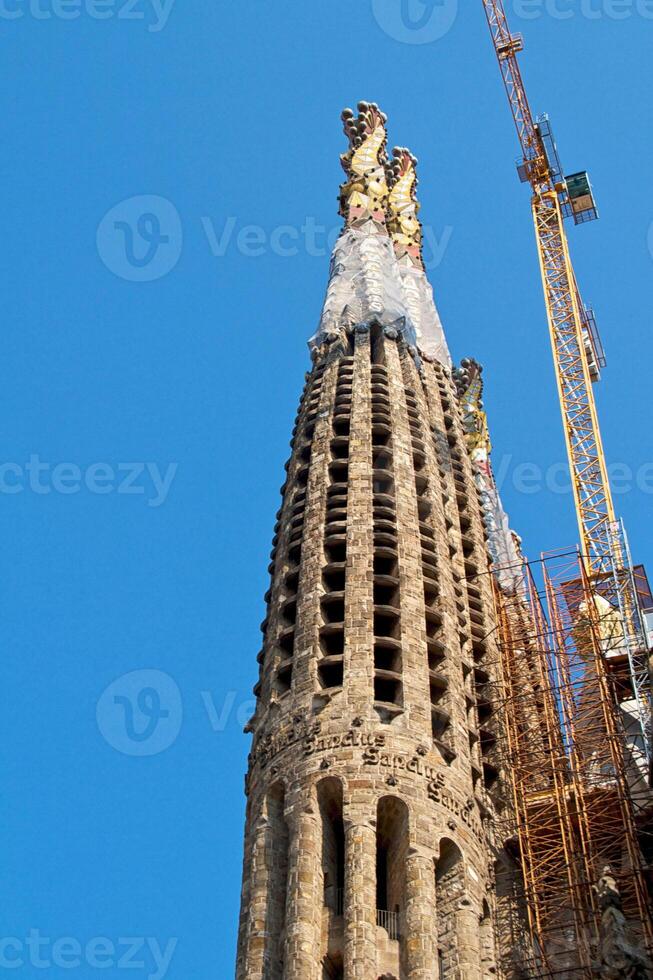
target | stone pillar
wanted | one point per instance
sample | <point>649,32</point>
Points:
<point>243,922</point>
<point>453,603</point>
<point>468,941</point>
<point>413,623</point>
<point>359,601</point>
<point>304,908</point>
<point>488,951</point>
<point>307,640</point>
<point>360,901</point>
<point>254,952</point>
<point>420,918</point>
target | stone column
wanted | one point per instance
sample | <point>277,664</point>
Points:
<point>304,908</point>
<point>413,623</point>
<point>479,582</point>
<point>468,941</point>
<point>453,603</point>
<point>254,950</point>
<point>359,599</point>
<point>420,918</point>
<point>360,901</point>
<point>307,640</point>
<point>487,941</point>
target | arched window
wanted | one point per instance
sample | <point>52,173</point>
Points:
<point>329,795</point>
<point>330,801</point>
<point>391,855</point>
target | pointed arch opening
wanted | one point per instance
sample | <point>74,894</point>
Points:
<point>391,855</point>
<point>330,801</point>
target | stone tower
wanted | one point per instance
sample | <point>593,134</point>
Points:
<point>375,800</point>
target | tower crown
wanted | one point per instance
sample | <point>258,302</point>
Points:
<point>365,193</point>
<point>403,206</point>
<point>377,268</point>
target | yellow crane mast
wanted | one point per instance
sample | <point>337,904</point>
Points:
<point>568,332</point>
<point>578,358</point>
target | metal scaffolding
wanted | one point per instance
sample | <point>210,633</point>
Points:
<point>574,759</point>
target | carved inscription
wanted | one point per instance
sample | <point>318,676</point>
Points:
<point>466,812</point>
<point>314,742</point>
<point>401,763</point>
<point>275,742</point>
<point>438,790</point>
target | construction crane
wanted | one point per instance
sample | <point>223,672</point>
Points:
<point>575,676</point>
<point>578,359</point>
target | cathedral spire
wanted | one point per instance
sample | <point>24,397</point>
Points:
<point>377,801</point>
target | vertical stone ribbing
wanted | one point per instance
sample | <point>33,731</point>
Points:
<point>303,903</point>
<point>244,927</point>
<point>443,408</point>
<point>488,945</point>
<point>445,649</point>
<point>421,912</point>
<point>260,952</point>
<point>359,664</point>
<point>360,898</point>
<point>257,904</point>
<point>413,631</point>
<point>333,539</point>
<point>468,940</point>
<point>277,655</point>
<point>307,639</point>
<point>479,591</point>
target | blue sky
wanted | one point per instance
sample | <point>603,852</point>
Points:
<point>147,405</point>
